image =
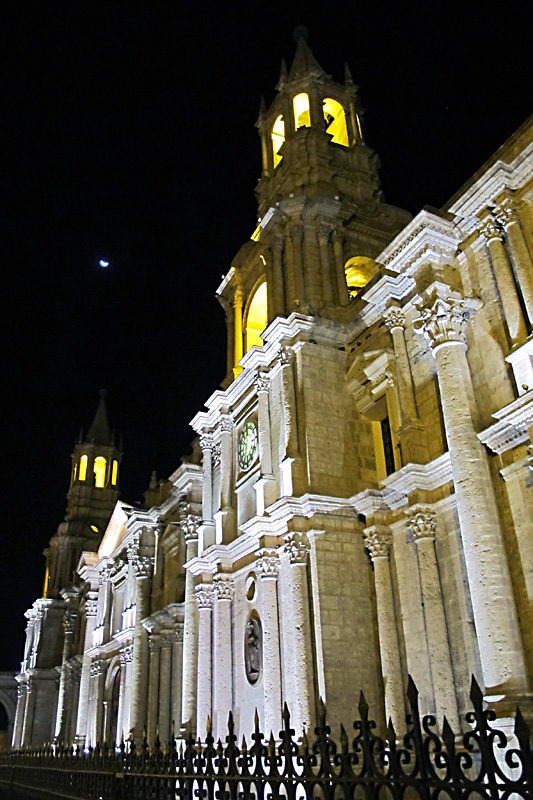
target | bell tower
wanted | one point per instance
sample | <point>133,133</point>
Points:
<point>322,217</point>
<point>92,496</point>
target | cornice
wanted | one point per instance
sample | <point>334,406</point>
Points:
<point>426,477</point>
<point>426,238</point>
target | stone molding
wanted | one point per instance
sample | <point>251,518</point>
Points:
<point>422,521</point>
<point>204,595</point>
<point>296,547</point>
<point>378,540</point>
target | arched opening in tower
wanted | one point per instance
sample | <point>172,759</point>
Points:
<point>256,319</point>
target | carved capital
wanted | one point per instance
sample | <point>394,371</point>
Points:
<point>69,622</point>
<point>394,318</point>
<point>206,442</point>
<point>142,566</point>
<point>215,454</point>
<point>237,298</point>
<point>297,547</point>
<point>445,320</point>
<point>324,232</point>
<point>91,607</point>
<point>226,424</point>
<point>104,573</point>
<point>178,631</point>
<point>204,595</point>
<point>97,667</point>
<point>261,382</point>
<point>223,587</point>
<point>126,654</point>
<point>378,539</point>
<point>268,564</point>
<point>422,521</point>
<point>285,356</point>
<point>490,229</point>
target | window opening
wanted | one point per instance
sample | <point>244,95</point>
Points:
<point>257,318</point>
<point>302,115</point>
<point>335,121</point>
<point>99,472</point>
<point>278,137</point>
<point>83,468</point>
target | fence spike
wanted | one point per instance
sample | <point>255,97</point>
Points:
<point>447,734</point>
<point>208,725</point>
<point>363,706</point>
<point>522,731</point>
<point>476,695</point>
<point>412,693</point>
<point>286,715</point>
<point>321,712</point>
<point>391,730</point>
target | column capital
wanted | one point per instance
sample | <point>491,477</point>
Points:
<point>443,320</point>
<point>237,298</point>
<point>422,521</point>
<point>178,632</point>
<point>262,381</point>
<point>506,213</point>
<point>378,539</point>
<point>126,654</point>
<point>226,424</point>
<point>394,318</point>
<point>142,565</point>
<point>154,642</point>
<point>267,564</point>
<point>490,230</point>
<point>325,229</point>
<point>223,587</point>
<point>285,356</point>
<point>204,595</point>
<point>91,606</point>
<point>189,523</point>
<point>297,547</point>
<point>206,440</point>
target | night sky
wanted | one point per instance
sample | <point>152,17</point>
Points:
<point>129,135</point>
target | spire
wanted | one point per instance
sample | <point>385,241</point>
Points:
<point>304,60</point>
<point>100,431</point>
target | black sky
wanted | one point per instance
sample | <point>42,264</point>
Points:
<point>128,134</point>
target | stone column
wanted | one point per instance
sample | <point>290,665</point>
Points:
<point>165,680</point>
<point>119,737</point>
<point>69,623</point>
<point>342,287</point>
<point>19,716</point>
<point>505,281</point>
<point>222,656</point>
<point>153,689</point>
<point>395,320</point>
<point>495,615</point>
<point>324,234</point>
<point>311,266</point>
<point>508,218</point>
<point>127,664</point>
<point>422,523</point>
<point>237,332</point>
<point>378,539</point>
<point>204,598</point>
<point>208,526</point>
<point>189,524</point>
<point>268,568</point>
<point>299,280</point>
<point>226,479</point>
<point>277,270</point>
<point>142,568</point>
<point>177,675</point>
<point>98,669</point>
<point>83,703</point>
<point>301,705</point>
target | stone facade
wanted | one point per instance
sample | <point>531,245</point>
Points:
<point>357,505</point>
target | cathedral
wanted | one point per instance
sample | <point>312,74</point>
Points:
<point>357,505</point>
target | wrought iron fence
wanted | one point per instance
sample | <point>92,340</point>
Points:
<point>481,763</point>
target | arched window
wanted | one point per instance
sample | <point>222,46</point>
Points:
<point>83,468</point>
<point>335,121</point>
<point>114,473</point>
<point>359,271</point>
<point>99,472</point>
<point>302,116</point>
<point>278,137</point>
<point>256,319</point>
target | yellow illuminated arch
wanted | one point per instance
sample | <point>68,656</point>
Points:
<point>359,271</point>
<point>83,468</point>
<point>114,473</point>
<point>99,472</point>
<point>335,121</point>
<point>257,318</point>
<point>278,137</point>
<point>302,116</point>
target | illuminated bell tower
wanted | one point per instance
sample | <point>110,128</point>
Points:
<point>92,496</point>
<point>322,218</point>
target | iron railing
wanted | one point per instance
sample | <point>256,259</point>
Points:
<point>481,763</point>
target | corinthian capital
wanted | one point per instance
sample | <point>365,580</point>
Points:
<point>394,318</point>
<point>204,595</point>
<point>422,521</point>
<point>223,587</point>
<point>506,213</point>
<point>490,229</point>
<point>206,442</point>
<point>268,564</point>
<point>189,523</point>
<point>296,546</point>
<point>262,382</point>
<point>378,539</point>
<point>445,319</point>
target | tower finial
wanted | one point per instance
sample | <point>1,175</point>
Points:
<point>100,431</point>
<point>300,32</point>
